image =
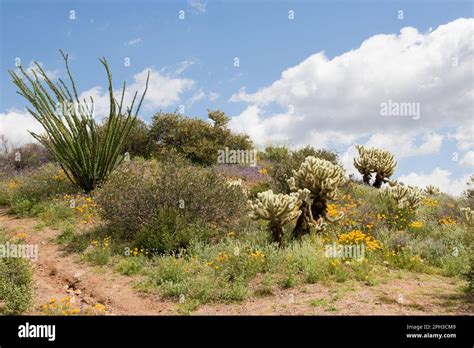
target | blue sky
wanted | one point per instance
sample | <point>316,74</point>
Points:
<point>193,60</point>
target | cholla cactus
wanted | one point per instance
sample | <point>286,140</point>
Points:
<point>468,215</point>
<point>237,182</point>
<point>322,179</point>
<point>392,182</point>
<point>432,190</point>
<point>373,160</point>
<point>278,209</point>
<point>406,196</point>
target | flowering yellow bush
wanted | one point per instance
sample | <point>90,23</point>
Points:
<point>64,306</point>
<point>220,259</point>
<point>447,221</point>
<point>358,237</point>
<point>105,244</point>
<point>21,235</point>
<point>430,202</point>
<point>332,211</point>
<point>83,205</point>
<point>12,184</point>
<point>138,252</point>
<point>257,255</point>
<point>67,306</point>
<point>417,224</point>
<point>60,176</point>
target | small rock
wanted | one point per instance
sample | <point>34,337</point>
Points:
<point>77,277</point>
<point>77,291</point>
<point>88,300</point>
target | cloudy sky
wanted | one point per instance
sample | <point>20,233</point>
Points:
<point>287,72</point>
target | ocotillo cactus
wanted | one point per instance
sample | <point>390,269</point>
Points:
<point>278,209</point>
<point>373,160</point>
<point>432,190</point>
<point>406,196</point>
<point>322,178</point>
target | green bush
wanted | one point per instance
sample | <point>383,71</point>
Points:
<point>128,199</point>
<point>26,157</point>
<point>259,187</point>
<point>170,230</point>
<point>197,140</point>
<point>98,256</point>
<point>15,285</point>
<point>130,265</point>
<point>138,191</point>
<point>30,189</point>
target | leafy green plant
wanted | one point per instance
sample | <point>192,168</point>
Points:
<point>197,140</point>
<point>15,285</point>
<point>130,265</point>
<point>27,191</point>
<point>169,230</point>
<point>72,135</point>
<point>137,191</point>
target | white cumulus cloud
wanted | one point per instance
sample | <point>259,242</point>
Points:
<point>467,160</point>
<point>333,100</point>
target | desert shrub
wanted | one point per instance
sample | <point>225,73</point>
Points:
<point>405,258</point>
<point>469,192</point>
<point>259,187</point>
<point>147,196</point>
<point>25,157</point>
<point>127,200</point>
<point>99,252</point>
<point>66,235</point>
<point>198,140</point>
<point>307,259</point>
<point>169,229</point>
<point>54,213</point>
<point>4,191</point>
<point>131,265</point>
<point>200,192</point>
<point>15,285</point>
<point>443,209</point>
<point>29,189</point>
<point>275,154</point>
<point>458,265</point>
<point>396,217</point>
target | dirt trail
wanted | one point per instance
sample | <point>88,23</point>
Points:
<point>409,294</point>
<point>55,272</point>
